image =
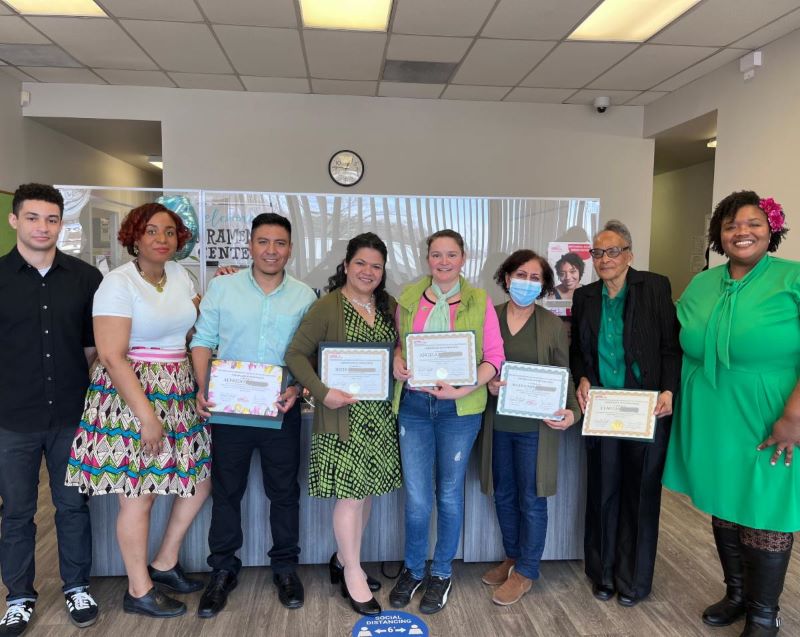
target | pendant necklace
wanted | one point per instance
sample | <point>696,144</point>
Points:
<point>158,285</point>
<point>367,306</point>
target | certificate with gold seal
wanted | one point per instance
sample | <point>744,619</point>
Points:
<point>245,393</point>
<point>361,369</point>
<point>620,413</point>
<point>441,356</point>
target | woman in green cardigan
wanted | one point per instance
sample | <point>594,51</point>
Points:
<point>354,447</point>
<point>519,456</point>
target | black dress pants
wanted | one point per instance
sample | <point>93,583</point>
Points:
<point>233,448</point>
<point>20,460</point>
<point>623,504</point>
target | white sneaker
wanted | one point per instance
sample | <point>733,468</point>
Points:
<point>17,617</point>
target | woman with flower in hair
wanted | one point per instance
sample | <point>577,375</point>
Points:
<point>738,416</point>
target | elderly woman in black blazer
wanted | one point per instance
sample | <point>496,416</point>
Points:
<point>624,335</point>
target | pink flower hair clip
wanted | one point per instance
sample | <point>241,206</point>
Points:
<point>774,212</point>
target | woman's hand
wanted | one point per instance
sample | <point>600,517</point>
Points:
<point>203,405</point>
<point>444,391</point>
<point>224,270</point>
<point>785,435</point>
<point>152,435</point>
<point>565,423</point>
<point>582,393</point>
<point>663,404</point>
<point>494,386</point>
<point>399,369</point>
<point>336,398</point>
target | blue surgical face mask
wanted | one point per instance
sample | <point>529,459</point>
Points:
<point>524,292</point>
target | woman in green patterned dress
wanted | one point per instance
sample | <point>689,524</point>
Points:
<point>354,446</point>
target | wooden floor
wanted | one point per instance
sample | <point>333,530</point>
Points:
<point>687,579</point>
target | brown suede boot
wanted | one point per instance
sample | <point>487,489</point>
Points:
<point>514,588</point>
<point>497,575</point>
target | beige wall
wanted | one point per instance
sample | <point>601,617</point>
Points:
<point>271,142</point>
<point>12,136</point>
<point>758,128</point>
<point>681,200</point>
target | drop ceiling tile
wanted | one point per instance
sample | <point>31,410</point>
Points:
<point>587,96</point>
<point>544,95</point>
<point>61,75</point>
<point>207,81</point>
<point>536,19</point>
<point>410,89</point>
<point>275,13</point>
<point>343,87</point>
<point>276,84</point>
<point>500,62</point>
<point>263,51</point>
<point>172,10</point>
<point>771,32</point>
<point>441,17</point>
<point>646,98</point>
<point>135,78</point>
<point>426,48</point>
<point>344,55</point>
<point>14,30</point>
<point>576,63</point>
<point>720,22</point>
<point>16,73</point>
<point>95,42</point>
<point>36,55</point>
<point>649,65</point>
<point>702,68</point>
<point>479,93</point>
<point>179,46</point>
<point>3,10</point>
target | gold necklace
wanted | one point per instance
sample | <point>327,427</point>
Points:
<point>158,285</point>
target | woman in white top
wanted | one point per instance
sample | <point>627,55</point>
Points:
<point>140,435</point>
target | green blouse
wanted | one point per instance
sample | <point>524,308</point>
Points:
<point>610,348</point>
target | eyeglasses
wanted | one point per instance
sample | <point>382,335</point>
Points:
<point>613,252</point>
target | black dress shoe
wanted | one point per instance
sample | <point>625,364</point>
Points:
<point>290,589</point>
<point>370,607</point>
<point>603,593</point>
<point>628,600</point>
<point>337,572</point>
<point>174,580</point>
<point>154,604</point>
<point>216,594</point>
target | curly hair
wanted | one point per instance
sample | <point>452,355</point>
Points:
<point>519,258</point>
<point>574,260</point>
<point>727,209</point>
<point>339,278</point>
<point>36,192</point>
<point>135,224</point>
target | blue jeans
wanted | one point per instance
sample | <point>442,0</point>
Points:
<point>432,435</point>
<point>522,515</point>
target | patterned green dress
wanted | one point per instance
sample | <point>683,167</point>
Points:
<point>368,463</point>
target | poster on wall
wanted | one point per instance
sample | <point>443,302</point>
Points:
<point>572,267</point>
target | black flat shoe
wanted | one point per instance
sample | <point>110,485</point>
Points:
<point>290,589</point>
<point>370,607</point>
<point>154,604</point>
<point>628,601</point>
<point>216,594</point>
<point>174,580</point>
<point>603,593</point>
<point>337,572</point>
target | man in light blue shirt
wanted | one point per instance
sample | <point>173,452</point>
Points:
<point>252,316</point>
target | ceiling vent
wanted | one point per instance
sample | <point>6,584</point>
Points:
<point>418,72</point>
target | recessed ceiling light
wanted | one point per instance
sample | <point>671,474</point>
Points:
<point>353,15</point>
<point>626,21</point>
<point>156,160</point>
<point>711,143</point>
<point>81,8</point>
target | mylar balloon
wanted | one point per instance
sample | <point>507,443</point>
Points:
<point>181,206</point>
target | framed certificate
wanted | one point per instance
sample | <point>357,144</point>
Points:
<point>621,413</point>
<point>441,356</point>
<point>532,391</point>
<point>245,393</point>
<point>361,369</point>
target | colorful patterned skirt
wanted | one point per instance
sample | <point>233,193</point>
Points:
<point>106,454</point>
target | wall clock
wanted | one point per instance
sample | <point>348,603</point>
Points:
<point>346,168</point>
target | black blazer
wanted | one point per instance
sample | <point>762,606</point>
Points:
<point>650,333</point>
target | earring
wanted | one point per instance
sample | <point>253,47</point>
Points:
<point>135,250</point>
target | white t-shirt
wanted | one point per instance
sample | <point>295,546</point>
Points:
<point>158,319</point>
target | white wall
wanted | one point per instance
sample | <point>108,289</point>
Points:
<point>12,135</point>
<point>758,128</point>
<point>272,142</point>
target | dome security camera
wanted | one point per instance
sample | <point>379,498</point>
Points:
<point>601,103</point>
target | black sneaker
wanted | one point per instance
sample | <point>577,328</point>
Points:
<point>17,617</point>
<point>81,607</point>
<point>404,590</point>
<point>435,596</point>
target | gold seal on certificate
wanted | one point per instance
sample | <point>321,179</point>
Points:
<point>532,391</point>
<point>620,413</point>
<point>361,369</point>
<point>441,356</point>
<point>245,391</point>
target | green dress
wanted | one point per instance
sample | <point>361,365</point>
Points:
<point>741,344</point>
<point>368,462</point>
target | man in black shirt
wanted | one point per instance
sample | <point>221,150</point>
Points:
<point>46,348</point>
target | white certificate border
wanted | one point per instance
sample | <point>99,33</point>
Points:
<point>357,348</point>
<point>424,336</point>
<point>649,434</point>
<point>509,366</point>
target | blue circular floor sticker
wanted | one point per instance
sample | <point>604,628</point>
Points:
<point>391,623</point>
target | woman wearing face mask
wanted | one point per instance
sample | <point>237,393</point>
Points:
<point>519,456</point>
